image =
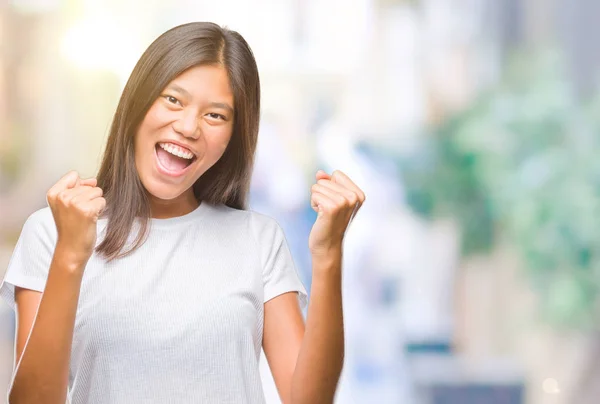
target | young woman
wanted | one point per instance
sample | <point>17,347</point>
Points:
<point>151,283</point>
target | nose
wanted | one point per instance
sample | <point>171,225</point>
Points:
<point>187,125</point>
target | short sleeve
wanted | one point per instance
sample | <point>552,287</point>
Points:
<point>279,272</point>
<point>30,261</point>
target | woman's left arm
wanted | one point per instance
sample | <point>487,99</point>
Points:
<point>306,361</point>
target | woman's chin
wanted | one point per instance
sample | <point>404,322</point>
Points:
<point>164,192</point>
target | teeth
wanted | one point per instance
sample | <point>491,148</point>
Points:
<point>176,150</point>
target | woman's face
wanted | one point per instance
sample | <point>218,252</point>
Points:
<point>185,132</point>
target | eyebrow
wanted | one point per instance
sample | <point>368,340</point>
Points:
<point>222,105</point>
<point>180,90</point>
<point>186,93</point>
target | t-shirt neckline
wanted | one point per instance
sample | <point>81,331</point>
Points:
<point>179,220</point>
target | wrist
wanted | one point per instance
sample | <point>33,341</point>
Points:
<point>327,253</point>
<point>327,261</point>
<point>70,259</point>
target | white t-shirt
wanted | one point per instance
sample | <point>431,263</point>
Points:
<point>180,320</point>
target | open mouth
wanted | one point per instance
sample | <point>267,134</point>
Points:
<point>172,159</point>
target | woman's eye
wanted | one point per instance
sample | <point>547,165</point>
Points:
<point>216,116</point>
<point>171,99</point>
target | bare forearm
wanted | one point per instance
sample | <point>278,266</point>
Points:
<point>321,356</point>
<point>42,372</point>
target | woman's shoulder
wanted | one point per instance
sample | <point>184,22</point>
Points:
<point>41,219</point>
<point>39,226</point>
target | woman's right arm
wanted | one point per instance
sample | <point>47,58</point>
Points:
<point>44,339</point>
<point>46,321</point>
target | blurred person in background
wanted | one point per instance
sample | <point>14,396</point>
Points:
<point>152,282</point>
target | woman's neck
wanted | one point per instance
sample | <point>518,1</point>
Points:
<point>165,209</point>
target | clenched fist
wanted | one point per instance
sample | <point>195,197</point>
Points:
<point>76,205</point>
<point>336,199</point>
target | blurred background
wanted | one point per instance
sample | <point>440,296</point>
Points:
<point>472,272</point>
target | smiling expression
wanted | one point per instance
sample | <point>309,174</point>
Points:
<point>191,119</point>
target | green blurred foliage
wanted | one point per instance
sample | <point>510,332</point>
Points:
<point>522,164</point>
